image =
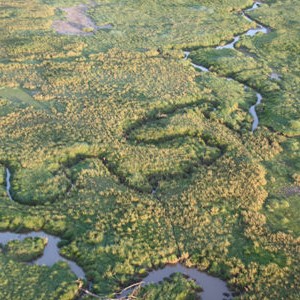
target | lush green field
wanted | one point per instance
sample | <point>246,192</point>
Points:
<point>136,159</point>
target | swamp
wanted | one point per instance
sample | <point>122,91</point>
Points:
<point>149,149</point>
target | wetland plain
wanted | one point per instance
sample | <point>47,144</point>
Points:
<point>149,150</point>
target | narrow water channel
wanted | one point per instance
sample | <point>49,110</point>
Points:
<point>253,112</point>
<point>8,184</point>
<point>51,252</point>
<point>231,45</point>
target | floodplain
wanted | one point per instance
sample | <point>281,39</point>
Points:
<point>127,136</point>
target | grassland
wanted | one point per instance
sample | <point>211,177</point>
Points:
<point>135,159</point>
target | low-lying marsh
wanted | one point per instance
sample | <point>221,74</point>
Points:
<point>135,159</point>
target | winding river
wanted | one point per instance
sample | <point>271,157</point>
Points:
<point>231,45</point>
<point>213,288</point>
<point>253,111</point>
<point>51,252</point>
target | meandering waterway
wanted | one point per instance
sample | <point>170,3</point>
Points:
<point>231,45</point>
<point>213,288</point>
<point>253,112</point>
<point>51,252</point>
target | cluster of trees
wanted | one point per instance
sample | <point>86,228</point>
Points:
<point>19,281</point>
<point>175,288</point>
<point>26,250</point>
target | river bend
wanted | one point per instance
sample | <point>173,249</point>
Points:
<point>231,45</point>
<point>51,252</point>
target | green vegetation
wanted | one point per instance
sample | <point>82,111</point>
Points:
<point>282,206</point>
<point>262,55</point>
<point>175,288</point>
<point>26,250</point>
<point>12,99</point>
<point>19,281</point>
<point>135,159</point>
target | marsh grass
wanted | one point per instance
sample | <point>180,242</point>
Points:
<point>136,159</point>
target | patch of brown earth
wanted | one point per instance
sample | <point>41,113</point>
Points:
<point>77,23</point>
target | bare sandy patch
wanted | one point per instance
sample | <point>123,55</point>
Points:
<point>77,22</point>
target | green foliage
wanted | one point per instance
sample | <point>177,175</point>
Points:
<point>137,159</point>
<point>39,185</point>
<point>26,250</point>
<point>282,206</point>
<point>175,288</point>
<point>19,281</point>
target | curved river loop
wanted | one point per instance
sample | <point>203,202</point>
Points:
<point>51,252</point>
<point>213,288</point>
